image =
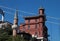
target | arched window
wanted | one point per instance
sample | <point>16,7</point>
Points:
<point>36,24</point>
<point>29,24</point>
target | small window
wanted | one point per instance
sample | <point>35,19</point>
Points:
<point>28,26</point>
<point>36,20</point>
<point>23,28</point>
<point>29,21</point>
<point>35,33</point>
<point>39,32</point>
<point>35,26</point>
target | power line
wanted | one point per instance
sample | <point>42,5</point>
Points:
<point>53,17</point>
<point>53,22</point>
<point>34,13</point>
<point>30,13</point>
<point>12,13</point>
<point>46,21</point>
<point>22,16</point>
<point>8,8</point>
<point>15,10</point>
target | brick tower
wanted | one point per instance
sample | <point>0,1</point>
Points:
<point>42,29</point>
<point>15,24</point>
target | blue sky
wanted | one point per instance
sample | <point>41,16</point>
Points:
<point>52,8</point>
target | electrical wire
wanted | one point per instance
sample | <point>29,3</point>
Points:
<point>22,16</point>
<point>30,13</point>
<point>17,10</point>
<point>53,17</point>
<point>34,14</point>
<point>53,22</point>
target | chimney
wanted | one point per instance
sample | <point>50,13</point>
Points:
<point>41,11</point>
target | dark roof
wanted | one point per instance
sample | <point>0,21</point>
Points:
<point>29,17</point>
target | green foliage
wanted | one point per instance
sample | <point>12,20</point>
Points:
<point>17,38</point>
<point>5,35</point>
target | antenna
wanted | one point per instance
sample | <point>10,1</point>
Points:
<point>42,3</point>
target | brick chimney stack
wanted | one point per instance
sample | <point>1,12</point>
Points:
<point>41,11</point>
<point>41,24</point>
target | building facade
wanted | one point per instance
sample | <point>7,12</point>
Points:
<point>35,25</point>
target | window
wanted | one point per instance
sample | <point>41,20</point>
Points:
<point>28,26</point>
<point>35,33</point>
<point>36,20</point>
<point>29,21</point>
<point>35,26</point>
<point>39,33</point>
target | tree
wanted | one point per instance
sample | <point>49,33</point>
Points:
<point>3,35</point>
<point>17,38</point>
<point>6,35</point>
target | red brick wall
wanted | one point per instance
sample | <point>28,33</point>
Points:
<point>33,29</point>
<point>32,21</point>
<point>26,21</point>
<point>38,20</point>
